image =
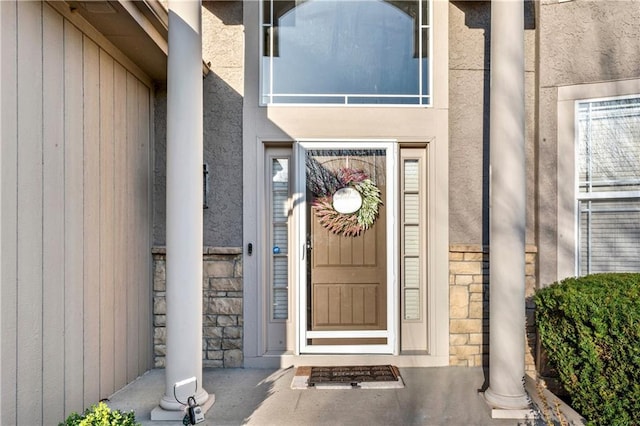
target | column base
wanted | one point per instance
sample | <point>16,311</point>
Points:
<point>507,402</point>
<point>522,414</point>
<point>161,414</point>
<point>509,407</point>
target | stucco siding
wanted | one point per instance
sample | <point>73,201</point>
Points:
<point>469,82</point>
<point>75,230</point>
<point>583,41</point>
<point>222,47</point>
<point>580,42</point>
<point>469,24</point>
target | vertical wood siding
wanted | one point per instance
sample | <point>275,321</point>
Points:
<point>75,231</point>
<point>8,211</point>
<point>53,214</point>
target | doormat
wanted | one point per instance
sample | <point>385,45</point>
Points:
<point>359,376</point>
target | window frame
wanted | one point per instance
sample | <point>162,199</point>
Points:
<point>563,220</point>
<point>274,223</point>
<point>424,100</point>
<point>585,198</point>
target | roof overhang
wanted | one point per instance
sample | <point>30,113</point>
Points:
<point>138,28</point>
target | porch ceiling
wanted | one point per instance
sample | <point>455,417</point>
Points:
<point>138,28</point>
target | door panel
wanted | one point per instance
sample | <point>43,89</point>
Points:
<point>348,279</point>
<point>347,271</point>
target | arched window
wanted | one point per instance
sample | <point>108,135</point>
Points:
<point>346,52</point>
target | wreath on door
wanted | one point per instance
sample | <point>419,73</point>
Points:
<point>326,184</point>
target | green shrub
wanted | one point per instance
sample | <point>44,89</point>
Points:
<point>590,328</point>
<point>101,415</point>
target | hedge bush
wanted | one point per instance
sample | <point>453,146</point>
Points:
<point>590,329</point>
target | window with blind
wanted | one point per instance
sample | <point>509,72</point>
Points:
<point>411,225</point>
<point>608,194</point>
<point>413,249</point>
<point>279,213</point>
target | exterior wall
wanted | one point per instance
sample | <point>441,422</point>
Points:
<point>222,319</point>
<point>469,53</point>
<point>469,305</point>
<point>284,124</point>
<point>75,160</point>
<point>223,47</point>
<point>580,42</point>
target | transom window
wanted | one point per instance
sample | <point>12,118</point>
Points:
<point>346,52</point>
<point>608,145</point>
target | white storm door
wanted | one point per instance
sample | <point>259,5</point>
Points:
<point>346,241</point>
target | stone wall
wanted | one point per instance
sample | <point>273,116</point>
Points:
<point>222,319</point>
<point>469,305</point>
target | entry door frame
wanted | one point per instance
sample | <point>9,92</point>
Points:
<point>300,253</point>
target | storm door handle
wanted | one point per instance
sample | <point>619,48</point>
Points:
<point>306,247</point>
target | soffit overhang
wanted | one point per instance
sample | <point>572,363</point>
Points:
<point>138,28</point>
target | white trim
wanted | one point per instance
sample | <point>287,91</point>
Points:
<point>346,334</point>
<point>607,195</point>
<point>599,91</point>
<point>343,105</point>
<point>347,349</point>
<point>299,250</point>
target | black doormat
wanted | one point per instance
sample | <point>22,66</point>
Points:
<point>353,375</point>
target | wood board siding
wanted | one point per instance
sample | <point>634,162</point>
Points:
<point>8,210</point>
<point>75,227</point>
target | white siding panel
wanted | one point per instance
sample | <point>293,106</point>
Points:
<point>143,229</point>
<point>74,213</point>
<point>75,174</point>
<point>8,207</point>
<point>29,344</point>
<point>91,81</point>
<point>106,226</point>
<point>120,243</point>
<point>132,261</point>
<point>53,217</point>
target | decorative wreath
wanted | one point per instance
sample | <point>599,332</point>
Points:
<point>346,224</point>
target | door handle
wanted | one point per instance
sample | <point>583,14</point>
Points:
<point>306,247</point>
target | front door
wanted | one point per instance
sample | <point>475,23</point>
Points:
<point>347,291</point>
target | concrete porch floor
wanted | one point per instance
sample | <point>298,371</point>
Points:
<point>432,396</point>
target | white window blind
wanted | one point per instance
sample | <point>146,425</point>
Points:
<point>279,238</point>
<point>411,237</point>
<point>608,144</point>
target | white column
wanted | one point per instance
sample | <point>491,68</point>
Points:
<point>184,208</point>
<point>507,208</point>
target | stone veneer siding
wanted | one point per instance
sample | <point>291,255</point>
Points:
<point>222,318</point>
<point>469,305</point>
